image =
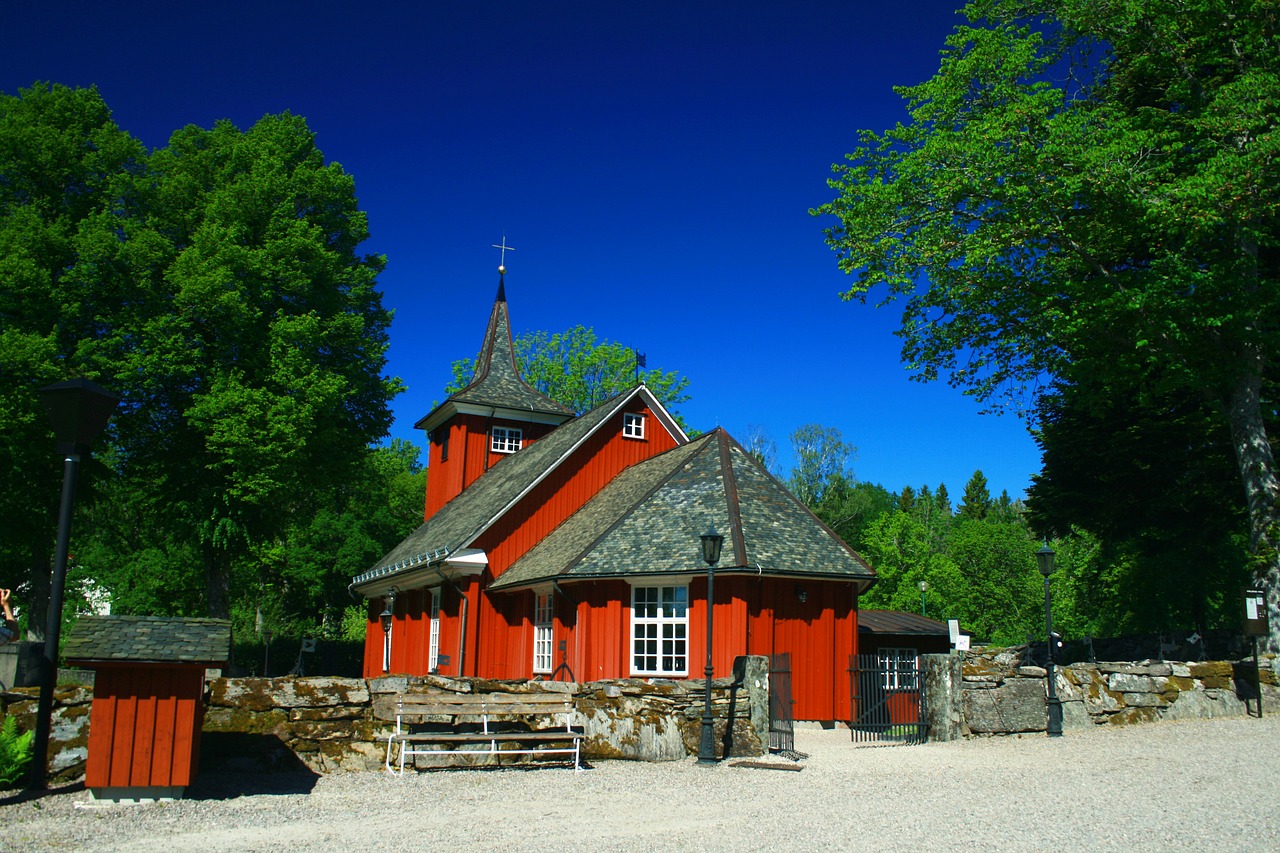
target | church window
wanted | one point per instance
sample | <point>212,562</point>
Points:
<point>660,630</point>
<point>506,440</point>
<point>633,425</point>
<point>543,614</point>
<point>433,643</point>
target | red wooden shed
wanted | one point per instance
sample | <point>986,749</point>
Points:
<point>566,546</point>
<point>148,700</point>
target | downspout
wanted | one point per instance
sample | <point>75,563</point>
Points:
<point>488,439</point>
<point>577,634</point>
<point>462,628</point>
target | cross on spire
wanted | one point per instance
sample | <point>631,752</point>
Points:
<point>502,259</point>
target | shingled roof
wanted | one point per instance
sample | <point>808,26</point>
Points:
<point>459,522</point>
<point>648,520</point>
<point>497,381</point>
<point>149,639</point>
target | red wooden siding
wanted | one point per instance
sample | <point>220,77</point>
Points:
<point>144,726</point>
<point>469,455</point>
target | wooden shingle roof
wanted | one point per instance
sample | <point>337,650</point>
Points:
<point>149,639</point>
<point>649,519</point>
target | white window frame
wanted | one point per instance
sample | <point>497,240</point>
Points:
<point>894,661</point>
<point>544,614</point>
<point>633,425</point>
<point>659,630</point>
<point>433,641</point>
<point>506,439</point>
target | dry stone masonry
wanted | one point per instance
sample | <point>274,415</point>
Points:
<point>1001,695</point>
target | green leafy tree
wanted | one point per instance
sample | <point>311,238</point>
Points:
<point>850,508</point>
<point>249,336</point>
<point>900,549</point>
<point>1003,596</point>
<point>1088,188</point>
<point>64,170</point>
<point>821,456</point>
<point>1150,476</point>
<point>576,369</point>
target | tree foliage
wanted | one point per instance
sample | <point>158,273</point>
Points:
<point>576,369</point>
<point>215,284</point>
<point>1088,189</point>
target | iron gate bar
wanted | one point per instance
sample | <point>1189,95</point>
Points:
<point>782,735</point>
<point>878,689</point>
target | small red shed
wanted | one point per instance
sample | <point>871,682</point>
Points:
<point>148,700</point>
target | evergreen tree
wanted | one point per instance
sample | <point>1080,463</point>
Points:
<point>976,501</point>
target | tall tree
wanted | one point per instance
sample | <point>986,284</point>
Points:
<point>64,169</point>
<point>975,503</point>
<point>576,369</point>
<point>250,337</point>
<point>821,456</point>
<point>1089,188</point>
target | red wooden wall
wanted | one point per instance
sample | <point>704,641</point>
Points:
<point>144,725</point>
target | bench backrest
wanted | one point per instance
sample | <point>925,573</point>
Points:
<point>484,704</point>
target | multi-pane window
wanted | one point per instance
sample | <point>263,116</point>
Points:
<point>506,440</point>
<point>543,614</point>
<point>660,630</point>
<point>633,425</point>
<point>899,668</point>
<point>433,645</point>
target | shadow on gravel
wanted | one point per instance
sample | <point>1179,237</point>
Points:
<point>21,796</point>
<point>236,764</point>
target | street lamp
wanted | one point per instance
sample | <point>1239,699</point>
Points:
<point>924,587</point>
<point>78,410</point>
<point>385,618</point>
<point>711,542</point>
<point>1044,557</point>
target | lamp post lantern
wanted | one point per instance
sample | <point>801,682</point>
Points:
<point>78,410</point>
<point>924,587</point>
<point>1044,557</point>
<point>711,542</point>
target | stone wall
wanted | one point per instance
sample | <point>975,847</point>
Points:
<point>1001,695</point>
<point>326,725</point>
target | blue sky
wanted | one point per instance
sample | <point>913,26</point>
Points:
<point>652,164</point>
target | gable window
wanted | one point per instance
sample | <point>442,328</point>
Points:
<point>506,440</point>
<point>543,615</point>
<point>660,630</point>
<point>433,643</point>
<point>632,425</point>
<point>444,447</point>
<point>899,668</point>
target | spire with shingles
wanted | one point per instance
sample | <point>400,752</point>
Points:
<point>497,382</point>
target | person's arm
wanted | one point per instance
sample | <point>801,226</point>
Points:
<point>9,630</point>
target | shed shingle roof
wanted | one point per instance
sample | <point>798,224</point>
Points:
<point>899,622</point>
<point>149,639</point>
<point>648,520</point>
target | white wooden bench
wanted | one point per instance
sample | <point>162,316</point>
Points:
<point>484,724</point>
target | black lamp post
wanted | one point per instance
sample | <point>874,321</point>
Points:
<point>1045,558</point>
<point>385,617</point>
<point>711,542</point>
<point>78,410</point>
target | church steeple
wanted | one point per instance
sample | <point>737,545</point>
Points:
<point>497,381</point>
<point>496,414</point>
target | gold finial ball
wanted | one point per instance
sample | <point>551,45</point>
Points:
<point>502,268</point>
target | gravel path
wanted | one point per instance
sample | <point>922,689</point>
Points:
<point>1160,786</point>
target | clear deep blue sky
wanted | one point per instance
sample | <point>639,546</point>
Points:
<point>651,163</point>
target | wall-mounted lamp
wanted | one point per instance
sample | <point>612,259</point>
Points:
<point>802,594</point>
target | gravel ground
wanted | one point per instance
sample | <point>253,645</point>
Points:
<point>1160,786</point>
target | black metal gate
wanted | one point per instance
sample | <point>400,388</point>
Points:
<point>782,734</point>
<point>887,700</point>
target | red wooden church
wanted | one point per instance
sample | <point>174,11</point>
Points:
<point>567,547</point>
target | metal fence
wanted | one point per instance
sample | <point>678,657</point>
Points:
<point>782,734</point>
